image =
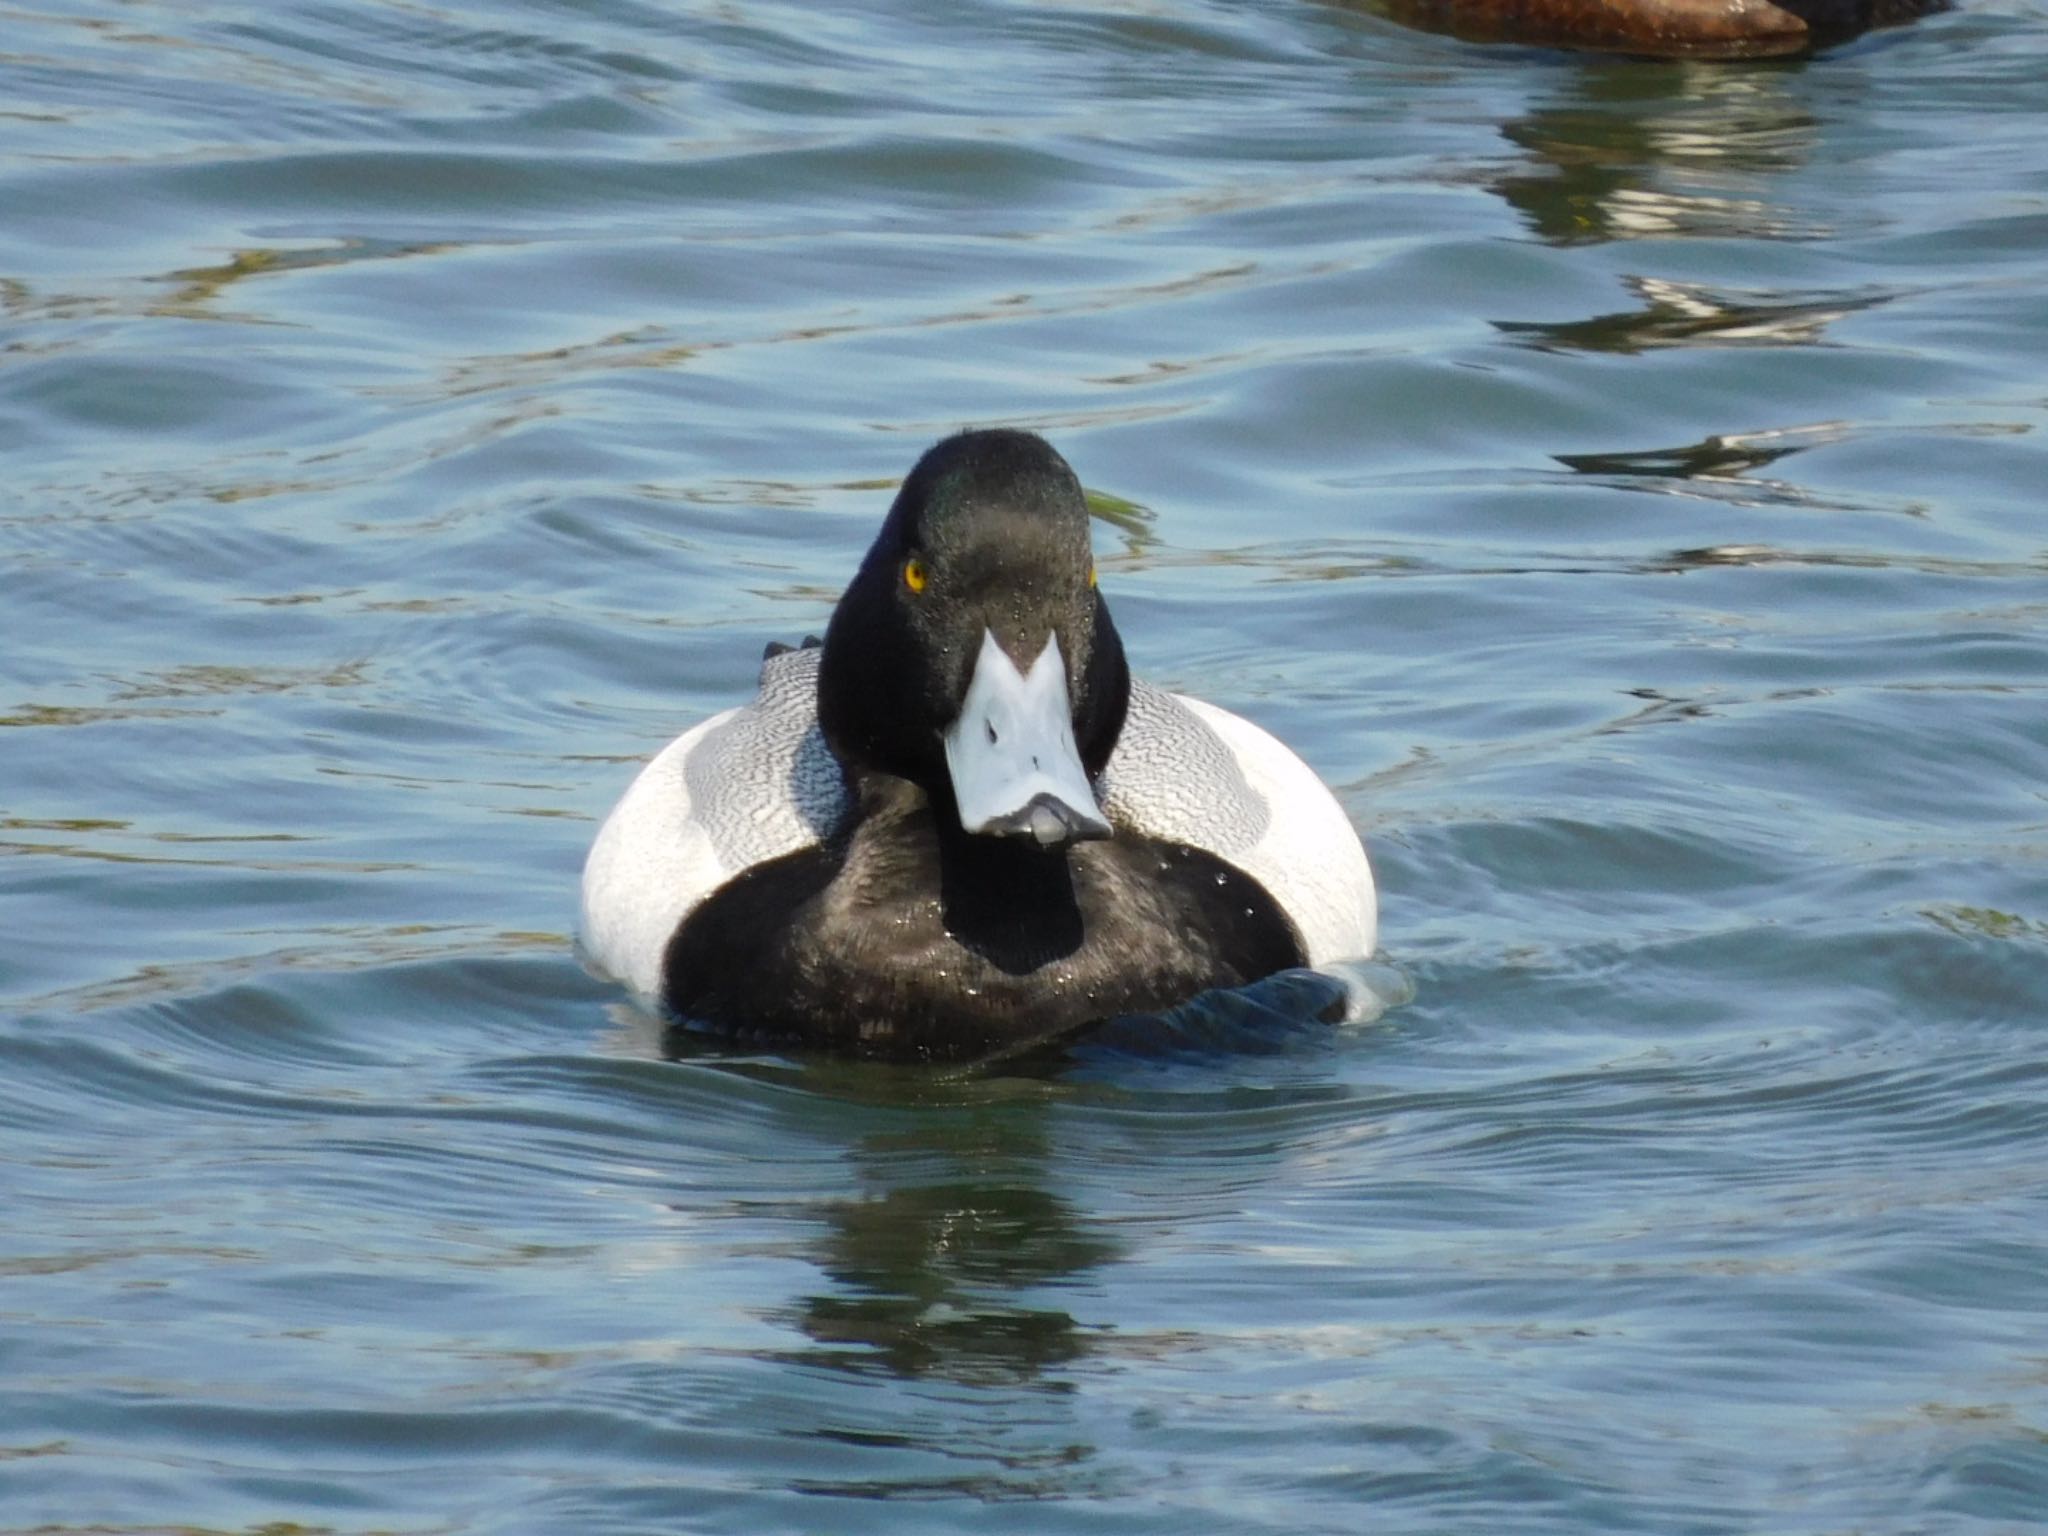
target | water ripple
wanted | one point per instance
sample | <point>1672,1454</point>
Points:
<point>1620,480</point>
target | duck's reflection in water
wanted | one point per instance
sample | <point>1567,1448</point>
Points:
<point>932,1280</point>
<point>942,1264</point>
<point>1685,314</point>
<point>1622,153</point>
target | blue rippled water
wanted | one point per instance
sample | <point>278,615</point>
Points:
<point>1622,481</point>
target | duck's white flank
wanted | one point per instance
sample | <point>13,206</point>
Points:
<point>757,782</point>
<point>1188,772</point>
<point>743,787</point>
<point>650,865</point>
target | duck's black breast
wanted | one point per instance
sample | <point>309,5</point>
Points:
<point>902,937</point>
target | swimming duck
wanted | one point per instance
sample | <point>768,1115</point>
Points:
<point>1704,29</point>
<point>959,825</point>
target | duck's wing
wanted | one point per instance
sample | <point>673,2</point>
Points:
<point>1188,772</point>
<point>746,786</point>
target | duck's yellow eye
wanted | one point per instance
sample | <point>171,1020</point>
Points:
<point>914,574</point>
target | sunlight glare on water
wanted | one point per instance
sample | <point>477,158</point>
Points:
<point>1621,481</point>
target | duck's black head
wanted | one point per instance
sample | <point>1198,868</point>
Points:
<point>972,654</point>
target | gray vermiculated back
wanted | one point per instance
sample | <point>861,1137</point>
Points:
<point>1171,777</point>
<point>775,740</point>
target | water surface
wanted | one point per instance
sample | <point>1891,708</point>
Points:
<point>1621,481</point>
